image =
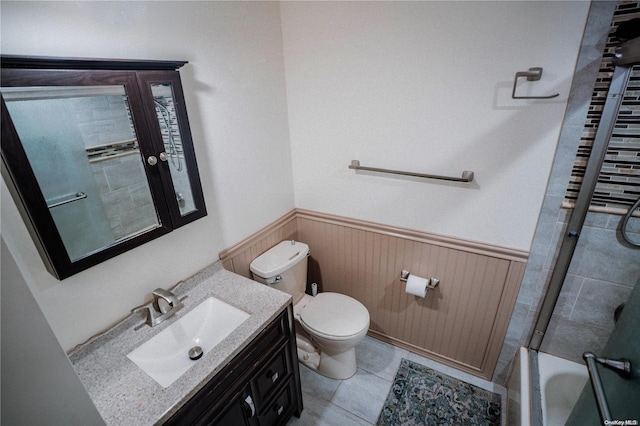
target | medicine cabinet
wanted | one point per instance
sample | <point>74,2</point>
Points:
<point>97,154</point>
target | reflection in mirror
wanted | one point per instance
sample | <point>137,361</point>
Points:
<point>82,146</point>
<point>168,121</point>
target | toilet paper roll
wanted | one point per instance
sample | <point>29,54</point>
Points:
<point>417,285</point>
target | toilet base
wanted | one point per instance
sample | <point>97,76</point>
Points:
<point>339,366</point>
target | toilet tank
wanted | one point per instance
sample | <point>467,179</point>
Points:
<point>283,267</point>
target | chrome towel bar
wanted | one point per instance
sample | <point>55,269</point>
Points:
<point>467,176</point>
<point>71,198</point>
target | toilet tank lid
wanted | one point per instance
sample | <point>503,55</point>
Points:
<point>279,258</point>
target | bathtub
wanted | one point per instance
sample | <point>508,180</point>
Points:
<point>559,386</point>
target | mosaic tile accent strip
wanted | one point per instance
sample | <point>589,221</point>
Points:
<point>112,150</point>
<point>619,181</point>
<point>168,121</point>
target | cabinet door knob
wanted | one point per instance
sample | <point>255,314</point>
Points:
<point>272,375</point>
<point>163,156</point>
<point>152,160</point>
<point>278,409</point>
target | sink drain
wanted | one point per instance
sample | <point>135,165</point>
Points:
<point>195,353</point>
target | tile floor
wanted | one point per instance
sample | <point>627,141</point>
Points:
<point>359,399</point>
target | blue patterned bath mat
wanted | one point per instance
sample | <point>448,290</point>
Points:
<point>422,396</point>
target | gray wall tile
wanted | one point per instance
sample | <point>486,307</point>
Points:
<point>570,339</point>
<point>597,302</point>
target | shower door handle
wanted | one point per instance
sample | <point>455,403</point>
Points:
<point>70,199</point>
<point>621,366</point>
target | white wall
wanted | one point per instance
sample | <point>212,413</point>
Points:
<point>420,86</point>
<point>236,100</point>
<point>33,362</point>
<point>425,87</point>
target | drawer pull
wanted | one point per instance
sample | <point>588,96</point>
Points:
<point>279,409</point>
<point>251,411</point>
<point>273,376</point>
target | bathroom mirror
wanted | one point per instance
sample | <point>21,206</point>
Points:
<point>97,154</point>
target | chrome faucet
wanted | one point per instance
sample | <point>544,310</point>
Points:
<point>163,306</point>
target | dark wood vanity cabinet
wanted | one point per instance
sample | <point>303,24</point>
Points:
<point>259,387</point>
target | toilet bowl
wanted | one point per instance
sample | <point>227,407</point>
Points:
<point>331,324</point>
<point>335,323</point>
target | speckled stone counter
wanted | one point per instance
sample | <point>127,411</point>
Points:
<point>126,395</point>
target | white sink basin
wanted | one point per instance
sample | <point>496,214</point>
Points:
<point>165,356</point>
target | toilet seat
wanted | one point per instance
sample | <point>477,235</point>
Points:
<point>334,316</point>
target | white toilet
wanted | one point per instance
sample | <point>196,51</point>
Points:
<point>334,323</point>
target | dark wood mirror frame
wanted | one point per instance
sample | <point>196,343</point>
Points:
<point>136,76</point>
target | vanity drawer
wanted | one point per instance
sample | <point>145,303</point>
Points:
<point>279,411</point>
<point>275,372</point>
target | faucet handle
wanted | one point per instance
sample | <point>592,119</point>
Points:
<point>141,308</point>
<point>169,297</point>
<point>165,294</point>
<point>158,312</point>
<point>149,311</point>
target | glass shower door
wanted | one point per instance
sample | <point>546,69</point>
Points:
<point>622,394</point>
<point>604,270</point>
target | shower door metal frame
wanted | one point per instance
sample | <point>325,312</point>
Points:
<point>581,208</point>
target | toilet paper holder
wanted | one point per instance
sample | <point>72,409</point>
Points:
<point>432,283</point>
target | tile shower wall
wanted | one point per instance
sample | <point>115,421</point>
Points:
<point>601,277</point>
<point>618,184</point>
<point>168,121</point>
<point>619,180</point>
<point>125,194</point>
<point>603,271</point>
<point>169,126</point>
<point>103,120</point>
<point>107,131</point>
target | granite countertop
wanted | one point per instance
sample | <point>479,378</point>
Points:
<point>126,395</point>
